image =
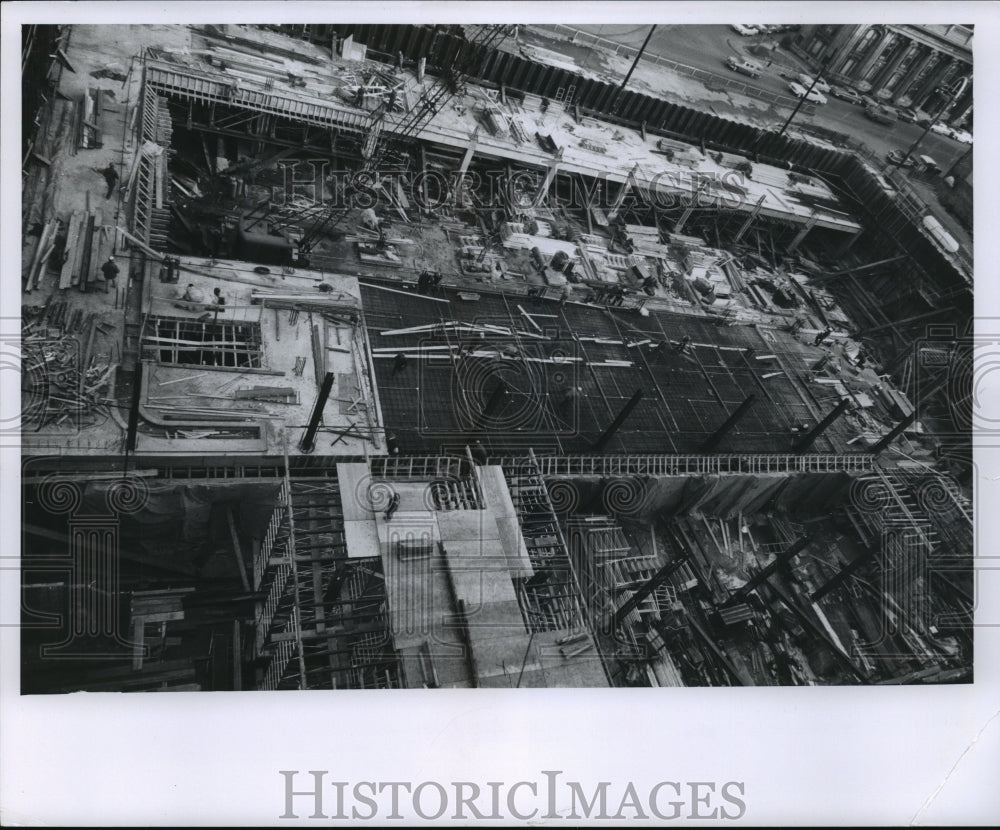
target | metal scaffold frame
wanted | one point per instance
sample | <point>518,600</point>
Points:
<point>671,465</point>
<point>323,622</point>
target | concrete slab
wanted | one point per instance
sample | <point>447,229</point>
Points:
<point>459,525</point>
<point>478,588</point>
<point>481,554</point>
<point>408,527</point>
<point>361,538</point>
<point>518,561</point>
<point>353,480</point>
<point>494,486</point>
<point>495,620</point>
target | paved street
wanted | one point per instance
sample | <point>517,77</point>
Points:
<point>707,47</point>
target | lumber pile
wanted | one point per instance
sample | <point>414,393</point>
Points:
<point>593,146</point>
<point>269,67</point>
<point>91,114</point>
<point>59,383</point>
<point>88,243</point>
<point>39,260</point>
<point>645,240</point>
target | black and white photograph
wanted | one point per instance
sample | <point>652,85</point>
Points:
<point>364,352</point>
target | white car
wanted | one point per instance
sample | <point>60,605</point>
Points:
<point>744,30</point>
<point>813,95</point>
<point>821,85</point>
<point>963,136</point>
<point>941,129</point>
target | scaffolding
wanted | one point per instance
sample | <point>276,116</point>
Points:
<point>611,574</point>
<point>550,598</point>
<point>323,622</point>
<point>672,465</point>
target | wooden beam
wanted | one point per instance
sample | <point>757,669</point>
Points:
<point>237,550</point>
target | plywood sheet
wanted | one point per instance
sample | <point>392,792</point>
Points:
<point>480,587</point>
<point>353,480</point>
<point>459,525</point>
<point>361,537</point>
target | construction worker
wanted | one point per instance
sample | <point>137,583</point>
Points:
<point>219,301</point>
<point>392,443</point>
<point>479,454</point>
<point>398,363</point>
<point>821,337</point>
<point>392,507</point>
<point>111,177</point>
<point>110,271</point>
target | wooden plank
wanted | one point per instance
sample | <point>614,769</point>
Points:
<point>237,550</point>
<point>163,616</point>
<point>61,57</point>
<point>80,245</point>
<point>407,293</point>
<point>140,244</point>
<point>72,240</point>
<point>85,258</point>
<point>42,250</point>
<point>94,273</point>
<point>33,262</point>
<point>319,356</point>
<point>138,634</point>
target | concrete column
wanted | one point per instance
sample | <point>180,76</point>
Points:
<point>928,86</point>
<point>845,50</point>
<point>806,441</point>
<point>962,106</point>
<point>470,151</point>
<point>549,178</point>
<point>626,410</point>
<point>750,218</point>
<point>621,193</point>
<point>684,217</point>
<point>893,64</point>
<point>848,244</point>
<point>801,235</point>
<point>696,193</point>
<point>919,66</point>
<point>874,55</point>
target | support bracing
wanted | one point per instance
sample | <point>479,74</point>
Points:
<point>806,441</point>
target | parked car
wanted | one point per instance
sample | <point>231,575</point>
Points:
<point>897,157</point>
<point>928,165</point>
<point>813,95</point>
<point>941,129</point>
<point>963,136</point>
<point>807,81</point>
<point>881,114</point>
<point>913,116</point>
<point>744,30</point>
<point>845,93</point>
<point>744,66</point>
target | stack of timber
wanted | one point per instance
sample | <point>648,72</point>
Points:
<point>91,120</point>
<point>39,260</point>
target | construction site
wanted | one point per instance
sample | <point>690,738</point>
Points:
<point>393,356</point>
